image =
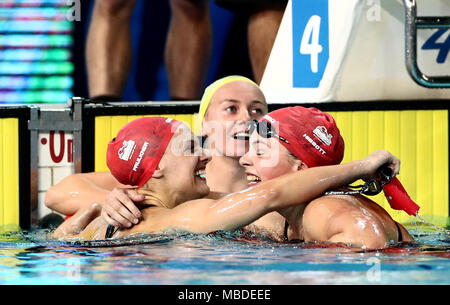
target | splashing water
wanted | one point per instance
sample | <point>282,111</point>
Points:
<point>432,225</point>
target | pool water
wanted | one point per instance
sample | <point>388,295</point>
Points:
<point>220,258</point>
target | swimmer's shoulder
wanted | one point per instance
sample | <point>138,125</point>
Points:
<point>326,207</point>
<point>152,217</point>
<point>319,215</point>
<point>271,225</point>
<point>345,218</point>
<point>345,203</point>
<point>330,204</point>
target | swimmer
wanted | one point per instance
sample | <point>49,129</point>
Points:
<point>164,160</point>
<point>226,107</point>
<point>302,138</point>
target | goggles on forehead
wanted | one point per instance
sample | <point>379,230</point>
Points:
<point>265,130</point>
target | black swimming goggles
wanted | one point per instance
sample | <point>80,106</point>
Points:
<point>370,188</point>
<point>265,130</point>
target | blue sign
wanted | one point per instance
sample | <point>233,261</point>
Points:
<point>310,42</point>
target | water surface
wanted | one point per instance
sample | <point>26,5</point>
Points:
<point>220,258</point>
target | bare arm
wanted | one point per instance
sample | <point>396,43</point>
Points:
<point>78,222</point>
<point>77,190</point>
<point>240,209</point>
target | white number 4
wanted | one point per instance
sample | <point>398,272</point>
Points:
<point>310,42</point>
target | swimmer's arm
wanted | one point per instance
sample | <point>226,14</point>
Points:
<point>215,195</point>
<point>240,209</point>
<point>77,190</point>
<point>74,226</point>
<point>334,220</point>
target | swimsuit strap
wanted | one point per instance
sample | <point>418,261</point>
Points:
<point>286,226</point>
<point>286,238</point>
<point>110,230</point>
<point>400,235</point>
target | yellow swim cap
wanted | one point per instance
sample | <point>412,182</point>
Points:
<point>209,93</point>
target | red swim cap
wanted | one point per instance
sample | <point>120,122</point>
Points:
<point>313,135</point>
<point>134,154</point>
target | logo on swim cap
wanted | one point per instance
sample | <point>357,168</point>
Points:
<point>141,154</point>
<point>322,134</point>
<point>314,144</point>
<point>270,119</point>
<point>126,151</point>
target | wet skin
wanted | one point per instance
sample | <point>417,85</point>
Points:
<point>350,219</point>
<point>172,194</point>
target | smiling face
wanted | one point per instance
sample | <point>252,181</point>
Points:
<point>227,117</point>
<point>268,159</point>
<point>183,166</point>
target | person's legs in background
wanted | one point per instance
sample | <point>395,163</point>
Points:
<point>264,18</point>
<point>188,48</point>
<point>108,48</point>
<point>263,26</point>
<point>188,45</point>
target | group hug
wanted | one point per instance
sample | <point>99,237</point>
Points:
<point>244,168</point>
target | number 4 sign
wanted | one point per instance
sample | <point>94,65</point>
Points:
<point>444,47</point>
<point>310,42</point>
